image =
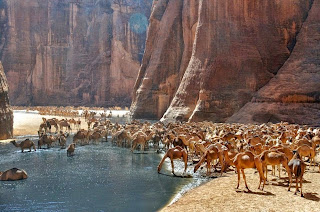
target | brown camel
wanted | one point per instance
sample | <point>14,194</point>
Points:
<point>211,154</point>
<point>307,151</point>
<point>82,135</point>
<point>26,144</point>
<point>244,160</point>
<point>70,150</point>
<point>64,124</point>
<point>140,138</point>
<point>13,174</point>
<point>95,136</point>
<point>298,168</point>
<point>273,158</point>
<point>175,153</point>
<point>46,140</point>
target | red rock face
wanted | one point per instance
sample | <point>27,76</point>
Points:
<point>72,52</point>
<point>6,115</point>
<point>238,54</point>
<point>294,93</point>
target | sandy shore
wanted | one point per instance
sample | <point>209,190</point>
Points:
<point>27,123</point>
<point>220,195</point>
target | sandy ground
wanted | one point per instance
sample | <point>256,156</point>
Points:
<point>220,195</point>
<point>27,123</point>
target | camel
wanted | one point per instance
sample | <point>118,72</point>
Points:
<point>81,135</point>
<point>43,127</point>
<point>26,144</point>
<point>307,151</point>
<point>70,150</point>
<point>13,174</point>
<point>298,167</point>
<point>244,160</point>
<point>274,158</point>
<point>175,153</point>
<point>140,138</point>
<point>64,124</point>
<point>211,154</point>
<point>95,136</point>
<point>52,122</point>
<point>46,140</point>
<point>63,140</point>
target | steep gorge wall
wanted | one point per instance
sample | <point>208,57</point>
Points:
<point>6,115</point>
<point>233,52</point>
<point>72,52</point>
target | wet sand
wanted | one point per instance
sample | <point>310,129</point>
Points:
<point>220,195</point>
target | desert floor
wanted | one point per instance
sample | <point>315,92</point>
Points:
<point>220,194</point>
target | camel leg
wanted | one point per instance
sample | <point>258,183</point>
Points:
<point>185,159</point>
<point>172,166</point>
<point>222,163</point>
<point>30,149</point>
<point>279,171</point>
<point>244,178</point>
<point>208,167</point>
<point>300,178</point>
<point>266,168</point>
<point>296,186</point>
<point>238,171</point>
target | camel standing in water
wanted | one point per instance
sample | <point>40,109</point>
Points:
<point>297,167</point>
<point>13,174</point>
<point>70,150</point>
<point>246,160</point>
<point>26,144</point>
<point>175,153</point>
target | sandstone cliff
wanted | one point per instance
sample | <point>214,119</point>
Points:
<point>223,54</point>
<point>72,52</point>
<point>6,115</point>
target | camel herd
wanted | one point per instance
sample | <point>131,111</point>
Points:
<point>219,144</point>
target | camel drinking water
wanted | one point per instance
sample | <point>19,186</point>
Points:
<point>175,153</point>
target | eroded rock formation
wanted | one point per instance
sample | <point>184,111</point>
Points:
<point>223,54</point>
<point>6,115</point>
<point>72,52</point>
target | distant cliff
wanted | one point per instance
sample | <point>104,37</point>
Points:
<point>72,52</point>
<point>236,61</point>
<point>6,115</point>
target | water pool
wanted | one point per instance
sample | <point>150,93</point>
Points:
<point>98,178</point>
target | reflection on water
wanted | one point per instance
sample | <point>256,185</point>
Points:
<point>98,178</point>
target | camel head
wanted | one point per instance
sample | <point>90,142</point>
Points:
<point>196,167</point>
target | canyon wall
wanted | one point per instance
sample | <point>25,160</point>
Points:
<point>6,115</point>
<point>72,52</point>
<point>218,60</point>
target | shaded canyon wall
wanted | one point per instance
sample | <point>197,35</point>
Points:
<point>6,115</point>
<point>224,60</point>
<point>72,52</point>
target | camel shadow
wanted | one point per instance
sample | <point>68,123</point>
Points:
<point>179,176</point>
<point>263,193</point>
<point>311,196</point>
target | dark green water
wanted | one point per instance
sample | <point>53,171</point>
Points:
<point>98,178</point>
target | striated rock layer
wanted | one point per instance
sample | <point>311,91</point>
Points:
<point>294,93</point>
<point>72,52</point>
<point>220,55</point>
<point>6,115</point>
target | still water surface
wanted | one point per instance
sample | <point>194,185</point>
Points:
<point>98,178</point>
